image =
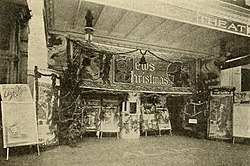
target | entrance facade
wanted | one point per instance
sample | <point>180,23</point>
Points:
<point>151,50</point>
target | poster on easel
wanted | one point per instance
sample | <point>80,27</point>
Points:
<point>149,120</point>
<point>110,116</point>
<point>18,116</point>
<point>163,119</point>
<point>93,109</point>
<point>220,113</point>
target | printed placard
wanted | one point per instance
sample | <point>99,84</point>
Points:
<point>19,124</point>
<point>15,93</point>
<point>192,121</point>
<point>18,116</point>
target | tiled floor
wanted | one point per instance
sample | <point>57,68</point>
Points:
<point>151,150</point>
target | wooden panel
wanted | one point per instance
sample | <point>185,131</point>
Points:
<point>163,30</point>
<point>106,22</point>
<point>63,13</point>
<point>128,22</point>
<point>146,27</point>
<point>95,9</point>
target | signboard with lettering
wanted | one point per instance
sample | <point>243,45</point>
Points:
<point>222,24</point>
<point>18,116</point>
<point>127,69</point>
<point>15,93</point>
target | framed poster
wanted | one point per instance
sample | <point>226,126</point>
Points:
<point>220,119</point>
<point>149,119</point>
<point>93,120</point>
<point>19,124</point>
<point>110,116</point>
<point>164,119</point>
<point>18,116</point>
<point>93,108</point>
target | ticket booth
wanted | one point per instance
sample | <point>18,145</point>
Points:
<point>130,126</point>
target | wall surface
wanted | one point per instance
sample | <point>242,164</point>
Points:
<point>232,77</point>
<point>37,41</point>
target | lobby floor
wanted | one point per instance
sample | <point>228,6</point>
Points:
<point>146,151</point>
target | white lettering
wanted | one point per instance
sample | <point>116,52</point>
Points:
<point>222,24</point>
<point>137,66</point>
<point>144,66</point>
<point>232,26</point>
<point>241,27</point>
<point>212,21</point>
<point>151,67</point>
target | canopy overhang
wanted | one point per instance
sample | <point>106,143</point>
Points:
<point>156,25</point>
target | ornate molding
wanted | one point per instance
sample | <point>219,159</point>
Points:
<point>56,48</point>
<point>49,13</point>
<point>22,14</point>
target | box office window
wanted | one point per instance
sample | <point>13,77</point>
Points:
<point>245,79</point>
<point>132,108</point>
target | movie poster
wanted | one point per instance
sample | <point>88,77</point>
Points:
<point>221,111</point>
<point>18,116</point>
<point>46,128</point>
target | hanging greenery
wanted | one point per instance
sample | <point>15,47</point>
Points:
<point>73,115</point>
<point>69,125</point>
<point>130,124</point>
<point>150,98</point>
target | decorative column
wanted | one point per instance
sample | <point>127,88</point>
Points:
<point>23,62</point>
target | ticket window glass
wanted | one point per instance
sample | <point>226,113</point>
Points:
<point>133,108</point>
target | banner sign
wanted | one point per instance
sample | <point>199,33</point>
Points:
<point>46,127</point>
<point>222,24</point>
<point>127,69</point>
<point>18,116</point>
